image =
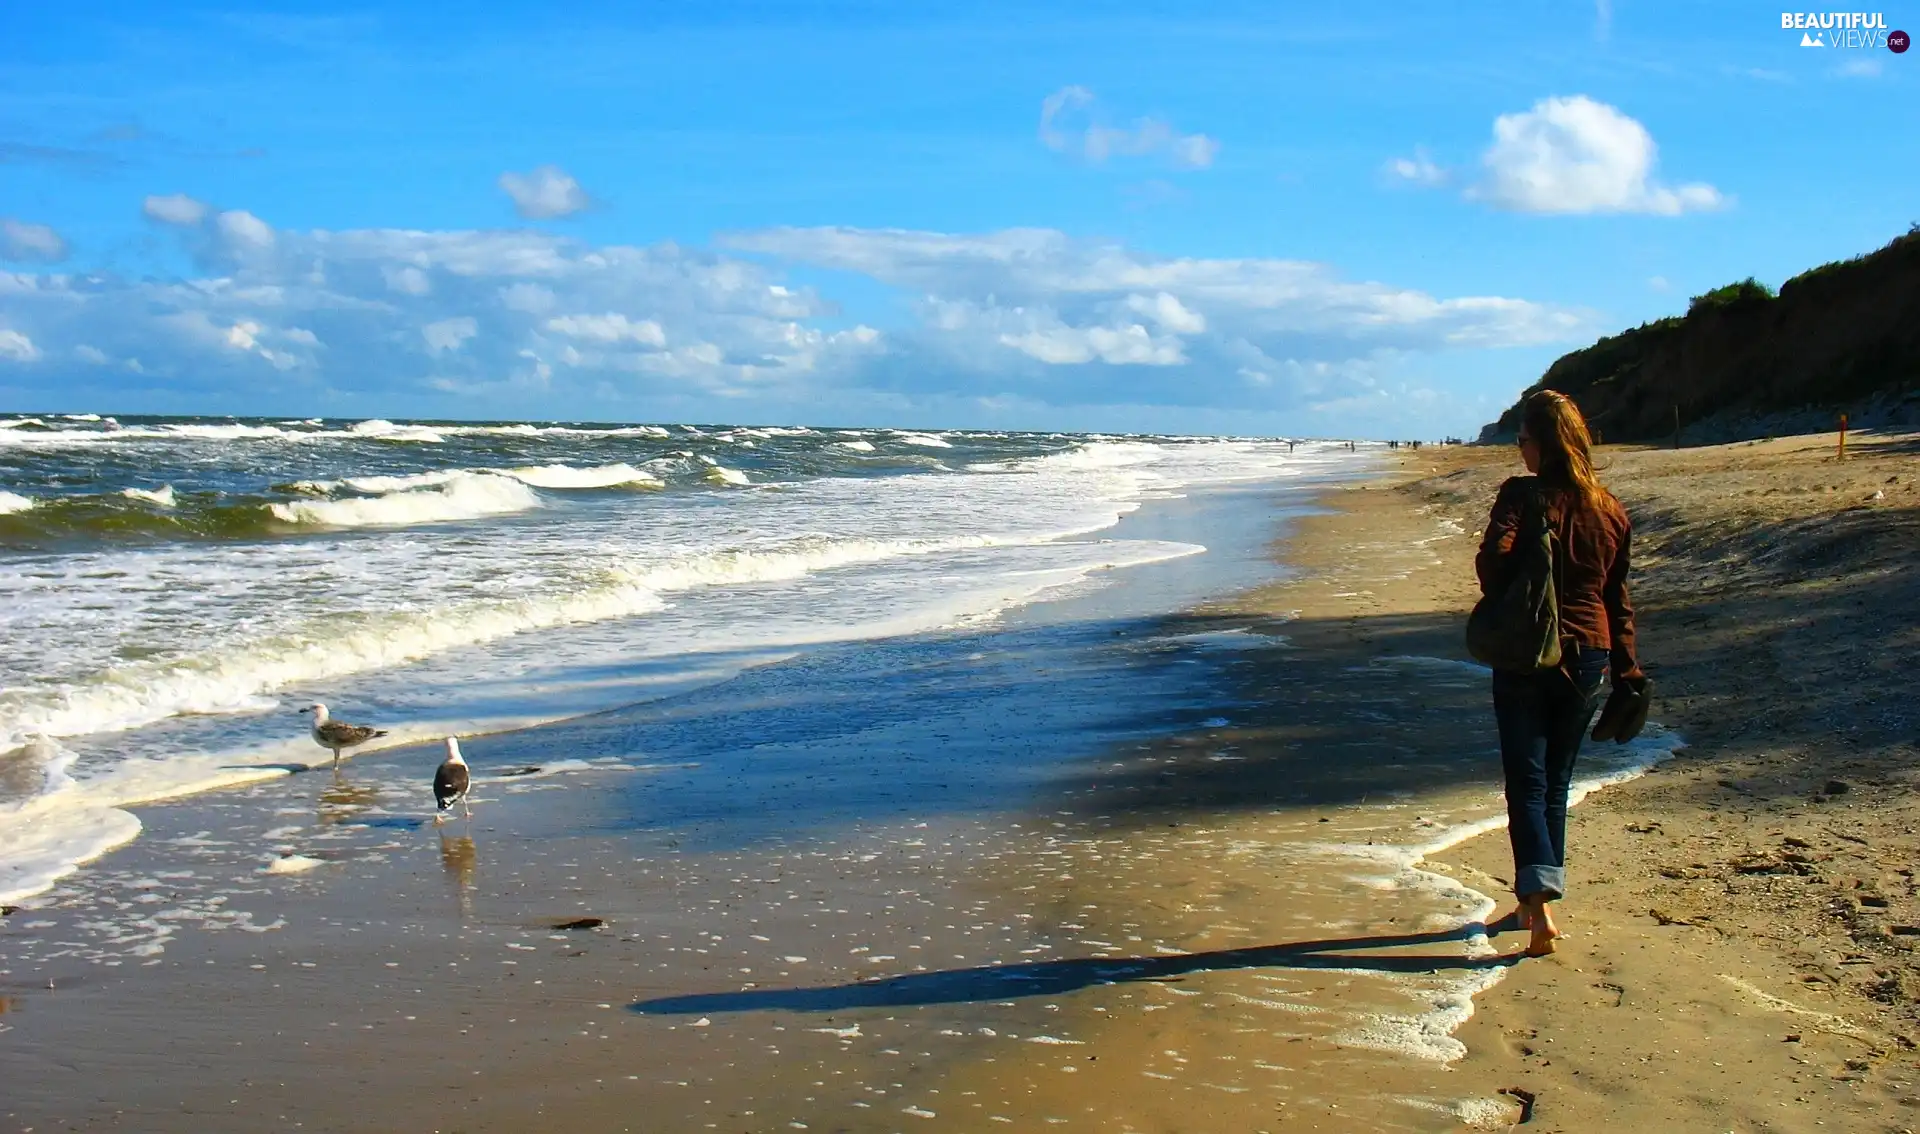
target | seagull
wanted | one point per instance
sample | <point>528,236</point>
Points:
<point>338,735</point>
<point>451,780</point>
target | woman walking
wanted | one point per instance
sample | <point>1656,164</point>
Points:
<point>1542,715</point>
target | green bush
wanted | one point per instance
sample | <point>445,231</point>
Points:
<point>1745,291</point>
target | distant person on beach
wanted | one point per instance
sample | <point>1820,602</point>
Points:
<point>1543,715</point>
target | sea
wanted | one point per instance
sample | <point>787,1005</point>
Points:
<point>173,589</point>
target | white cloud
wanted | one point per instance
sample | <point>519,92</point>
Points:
<point>240,336</point>
<point>175,209</point>
<point>219,237</point>
<point>241,233</point>
<point>397,313</point>
<point>448,334</point>
<point>519,322</point>
<point>544,193</point>
<point>21,240</point>
<point>1070,123</point>
<point>1418,169</point>
<point>1002,310</point>
<point>1131,344</point>
<point>1860,68</point>
<point>18,347</point>
<point>1576,155</point>
<point>1169,312</point>
<point>408,280</point>
<point>530,298</point>
<point>612,327</point>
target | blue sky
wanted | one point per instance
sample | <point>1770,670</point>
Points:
<point>1267,218</point>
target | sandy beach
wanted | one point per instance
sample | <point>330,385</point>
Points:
<point>1256,913</point>
<point>1742,932</point>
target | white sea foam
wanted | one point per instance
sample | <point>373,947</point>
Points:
<point>464,496</point>
<point>384,430</point>
<point>235,679</point>
<point>1098,455</point>
<point>292,864</point>
<point>567,476</point>
<point>929,440</point>
<point>210,432</point>
<point>721,474</point>
<point>213,638</point>
<point>41,843</point>
<point>856,446</point>
<point>11,502</point>
<point>160,497</point>
<point>556,476</point>
<point>1429,1034</point>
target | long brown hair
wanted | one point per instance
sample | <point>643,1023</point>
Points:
<point>1566,447</point>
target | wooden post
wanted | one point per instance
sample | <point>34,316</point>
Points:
<point>1676,425</point>
<point>1843,436</point>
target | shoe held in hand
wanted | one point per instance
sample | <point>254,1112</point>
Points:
<point>1625,713</point>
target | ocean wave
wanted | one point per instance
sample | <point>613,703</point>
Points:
<point>787,559</point>
<point>11,502</point>
<point>569,476</point>
<point>161,497</point>
<point>856,446</point>
<point>931,441</point>
<point>138,513</point>
<point>462,496</point>
<point>39,432</point>
<point>557,476</point>
<point>201,432</point>
<point>236,678</point>
<point>381,429</point>
<point>1088,457</point>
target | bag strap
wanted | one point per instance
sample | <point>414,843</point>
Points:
<point>1537,502</point>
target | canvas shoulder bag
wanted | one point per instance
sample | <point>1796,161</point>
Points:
<point>1516,627</point>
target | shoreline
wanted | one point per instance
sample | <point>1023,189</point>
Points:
<point>47,841</point>
<point>1170,944</point>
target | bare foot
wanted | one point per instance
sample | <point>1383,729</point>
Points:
<point>1545,933</point>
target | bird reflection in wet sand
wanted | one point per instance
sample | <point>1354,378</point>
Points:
<point>458,859</point>
<point>344,799</point>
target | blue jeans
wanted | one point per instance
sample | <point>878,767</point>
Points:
<point>1542,719</point>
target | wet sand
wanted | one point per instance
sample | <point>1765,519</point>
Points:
<point>1240,919</point>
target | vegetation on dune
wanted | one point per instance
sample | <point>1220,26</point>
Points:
<point>1845,334</point>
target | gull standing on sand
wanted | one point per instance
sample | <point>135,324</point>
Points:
<point>450,782</point>
<point>338,735</point>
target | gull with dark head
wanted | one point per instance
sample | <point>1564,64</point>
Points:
<point>450,782</point>
<point>338,735</point>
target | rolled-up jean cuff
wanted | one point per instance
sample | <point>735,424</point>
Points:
<point>1548,880</point>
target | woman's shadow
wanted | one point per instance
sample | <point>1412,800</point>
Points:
<point>1052,978</point>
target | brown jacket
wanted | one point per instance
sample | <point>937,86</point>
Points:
<point>1595,546</point>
